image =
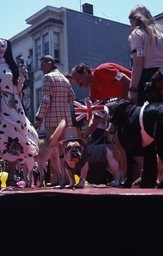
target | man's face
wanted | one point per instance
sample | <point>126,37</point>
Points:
<point>3,47</point>
<point>83,80</point>
<point>46,66</point>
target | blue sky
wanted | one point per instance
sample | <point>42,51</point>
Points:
<point>15,12</point>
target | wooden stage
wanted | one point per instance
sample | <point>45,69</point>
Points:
<point>94,220</point>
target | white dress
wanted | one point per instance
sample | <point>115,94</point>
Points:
<point>18,138</point>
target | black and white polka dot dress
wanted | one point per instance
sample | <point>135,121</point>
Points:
<point>18,138</point>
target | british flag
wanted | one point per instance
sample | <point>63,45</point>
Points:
<point>88,110</point>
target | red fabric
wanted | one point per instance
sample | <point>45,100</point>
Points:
<point>104,84</point>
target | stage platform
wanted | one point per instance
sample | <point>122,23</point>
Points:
<point>93,220</point>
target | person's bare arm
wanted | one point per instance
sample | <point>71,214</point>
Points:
<point>126,83</point>
<point>136,71</point>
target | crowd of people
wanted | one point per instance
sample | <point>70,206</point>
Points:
<point>19,138</point>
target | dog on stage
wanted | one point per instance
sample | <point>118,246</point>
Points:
<point>140,131</point>
<point>48,149</point>
<point>78,158</point>
<point>140,134</point>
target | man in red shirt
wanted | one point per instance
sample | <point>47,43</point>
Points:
<point>108,80</point>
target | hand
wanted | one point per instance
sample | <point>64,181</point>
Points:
<point>23,71</point>
<point>36,125</point>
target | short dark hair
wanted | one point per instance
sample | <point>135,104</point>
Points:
<point>49,58</point>
<point>81,67</point>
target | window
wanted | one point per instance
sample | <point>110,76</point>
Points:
<point>38,97</point>
<point>41,46</point>
<point>45,44</point>
<point>37,52</point>
<point>56,47</point>
<point>29,61</point>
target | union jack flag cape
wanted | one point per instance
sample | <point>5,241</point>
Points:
<point>88,110</point>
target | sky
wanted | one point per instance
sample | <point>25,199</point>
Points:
<point>15,12</point>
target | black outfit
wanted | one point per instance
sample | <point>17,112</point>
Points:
<point>125,117</point>
<point>149,174</point>
<point>145,77</point>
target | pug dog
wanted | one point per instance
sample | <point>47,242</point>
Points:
<point>73,163</point>
<point>78,159</point>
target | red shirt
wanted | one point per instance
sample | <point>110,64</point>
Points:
<point>104,85</point>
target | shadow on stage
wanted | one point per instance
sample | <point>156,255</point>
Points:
<point>89,220</point>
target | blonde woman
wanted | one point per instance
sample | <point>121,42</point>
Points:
<point>146,41</point>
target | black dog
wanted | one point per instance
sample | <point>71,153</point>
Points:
<point>139,136</point>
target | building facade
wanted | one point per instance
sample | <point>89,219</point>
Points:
<point>71,37</point>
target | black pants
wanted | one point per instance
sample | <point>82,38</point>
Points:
<point>149,173</point>
<point>145,77</point>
